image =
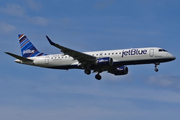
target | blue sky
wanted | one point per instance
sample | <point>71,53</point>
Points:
<point>28,92</point>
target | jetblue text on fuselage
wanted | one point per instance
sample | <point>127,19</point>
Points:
<point>133,52</point>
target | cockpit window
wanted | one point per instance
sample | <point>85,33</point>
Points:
<point>162,50</point>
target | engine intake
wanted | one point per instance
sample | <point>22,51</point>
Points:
<point>107,61</point>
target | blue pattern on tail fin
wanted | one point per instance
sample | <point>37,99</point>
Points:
<point>27,48</point>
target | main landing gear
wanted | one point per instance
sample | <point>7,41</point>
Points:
<point>156,64</point>
<point>98,77</point>
<point>88,72</point>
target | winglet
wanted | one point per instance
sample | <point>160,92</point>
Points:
<point>50,41</point>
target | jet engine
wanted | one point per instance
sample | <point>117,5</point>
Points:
<point>106,61</point>
<point>123,70</point>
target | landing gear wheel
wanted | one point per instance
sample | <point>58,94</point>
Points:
<point>98,77</point>
<point>156,69</point>
<point>87,71</point>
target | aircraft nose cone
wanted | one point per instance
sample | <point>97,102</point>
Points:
<point>172,57</point>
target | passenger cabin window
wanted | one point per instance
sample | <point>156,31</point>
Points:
<point>162,50</point>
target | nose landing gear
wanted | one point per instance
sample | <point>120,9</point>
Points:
<point>156,69</point>
<point>156,64</point>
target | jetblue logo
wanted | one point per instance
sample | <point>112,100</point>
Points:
<point>134,52</point>
<point>102,60</point>
<point>28,51</point>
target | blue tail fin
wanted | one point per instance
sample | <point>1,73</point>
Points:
<point>27,48</point>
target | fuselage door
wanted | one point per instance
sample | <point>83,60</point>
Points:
<point>46,59</point>
<point>151,52</point>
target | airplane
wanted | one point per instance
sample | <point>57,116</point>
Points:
<point>112,61</point>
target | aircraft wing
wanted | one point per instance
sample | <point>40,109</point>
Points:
<point>81,57</point>
<point>19,57</point>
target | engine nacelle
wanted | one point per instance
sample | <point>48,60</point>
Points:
<point>106,61</point>
<point>123,70</point>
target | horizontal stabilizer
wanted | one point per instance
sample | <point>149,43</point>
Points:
<point>19,57</point>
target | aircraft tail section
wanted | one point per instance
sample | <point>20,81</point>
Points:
<point>27,48</point>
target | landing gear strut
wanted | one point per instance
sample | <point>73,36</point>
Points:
<point>98,77</point>
<point>156,69</point>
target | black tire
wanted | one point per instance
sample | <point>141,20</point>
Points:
<point>87,71</point>
<point>156,70</point>
<point>98,77</point>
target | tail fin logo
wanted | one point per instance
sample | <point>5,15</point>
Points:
<point>27,48</point>
<point>28,51</point>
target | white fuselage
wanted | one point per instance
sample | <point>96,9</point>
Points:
<point>120,57</point>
